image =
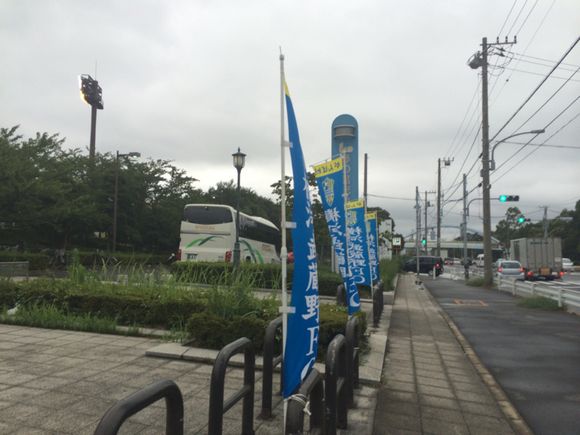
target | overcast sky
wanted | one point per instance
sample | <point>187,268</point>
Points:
<point>191,81</point>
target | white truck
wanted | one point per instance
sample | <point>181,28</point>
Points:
<point>540,258</point>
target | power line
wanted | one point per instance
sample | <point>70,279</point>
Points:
<point>507,17</point>
<point>527,17</point>
<point>391,197</point>
<point>537,88</point>
<point>537,74</point>
<point>549,61</point>
<point>543,145</point>
<point>536,149</point>
<point>549,99</point>
<point>545,65</point>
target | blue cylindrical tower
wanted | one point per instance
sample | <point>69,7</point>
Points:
<point>345,141</point>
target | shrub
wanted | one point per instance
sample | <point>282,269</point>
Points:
<point>475,282</point>
<point>37,261</point>
<point>128,305</point>
<point>389,269</point>
<point>211,331</point>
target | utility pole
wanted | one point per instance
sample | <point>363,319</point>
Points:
<point>464,227</point>
<point>427,205</point>
<point>417,229</point>
<point>480,60</point>
<point>545,221</point>
<point>447,162</point>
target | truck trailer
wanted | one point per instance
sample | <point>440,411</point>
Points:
<point>540,258</point>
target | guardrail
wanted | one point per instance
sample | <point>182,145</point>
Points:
<point>336,412</point>
<point>217,406</point>
<point>122,410</point>
<point>308,400</point>
<point>270,362</point>
<point>534,288</point>
<point>14,268</point>
<point>530,288</point>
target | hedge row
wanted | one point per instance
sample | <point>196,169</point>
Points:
<point>40,261</point>
<point>257,275</point>
<point>133,308</point>
<point>213,332</point>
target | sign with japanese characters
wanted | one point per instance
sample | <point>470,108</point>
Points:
<point>373,241</point>
<point>357,252</point>
<point>330,180</point>
<point>303,323</point>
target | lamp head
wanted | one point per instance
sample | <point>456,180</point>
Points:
<point>239,160</point>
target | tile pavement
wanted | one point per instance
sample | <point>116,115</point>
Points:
<point>429,385</point>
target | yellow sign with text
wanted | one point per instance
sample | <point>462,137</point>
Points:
<point>329,167</point>
<point>359,203</point>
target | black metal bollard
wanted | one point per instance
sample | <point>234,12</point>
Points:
<point>269,363</point>
<point>311,388</point>
<point>217,406</point>
<point>335,415</point>
<point>341,295</point>
<point>352,358</point>
<point>122,410</point>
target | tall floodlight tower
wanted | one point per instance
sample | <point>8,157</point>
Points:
<point>345,143</point>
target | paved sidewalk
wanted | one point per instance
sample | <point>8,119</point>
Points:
<point>429,384</point>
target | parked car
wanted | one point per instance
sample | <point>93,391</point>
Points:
<point>451,261</point>
<point>426,265</point>
<point>567,265</point>
<point>510,269</point>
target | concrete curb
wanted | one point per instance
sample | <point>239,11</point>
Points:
<point>516,421</point>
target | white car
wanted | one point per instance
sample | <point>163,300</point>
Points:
<point>567,265</point>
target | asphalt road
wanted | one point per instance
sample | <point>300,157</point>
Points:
<point>533,354</point>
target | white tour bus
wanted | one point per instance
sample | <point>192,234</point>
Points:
<point>208,233</point>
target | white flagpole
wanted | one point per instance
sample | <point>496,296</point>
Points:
<point>283,249</point>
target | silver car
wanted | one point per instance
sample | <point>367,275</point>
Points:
<point>510,269</point>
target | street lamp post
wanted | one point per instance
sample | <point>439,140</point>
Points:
<point>239,163</point>
<point>492,161</point>
<point>116,194</point>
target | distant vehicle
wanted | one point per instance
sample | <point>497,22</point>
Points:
<point>567,265</point>
<point>208,233</point>
<point>426,265</point>
<point>540,258</point>
<point>510,269</point>
<point>451,261</point>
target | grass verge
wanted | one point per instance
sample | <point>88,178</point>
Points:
<point>475,282</point>
<point>540,302</point>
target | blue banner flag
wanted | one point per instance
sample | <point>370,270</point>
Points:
<point>373,240</point>
<point>330,180</point>
<point>358,252</point>
<point>303,324</point>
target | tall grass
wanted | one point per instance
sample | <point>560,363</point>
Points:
<point>52,317</point>
<point>389,269</point>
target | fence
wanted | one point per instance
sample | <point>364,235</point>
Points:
<point>217,406</point>
<point>269,364</point>
<point>122,410</point>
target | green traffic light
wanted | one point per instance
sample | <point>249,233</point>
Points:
<point>521,220</point>
<point>424,242</point>
<point>502,198</point>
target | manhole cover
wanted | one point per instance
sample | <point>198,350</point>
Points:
<point>470,302</point>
